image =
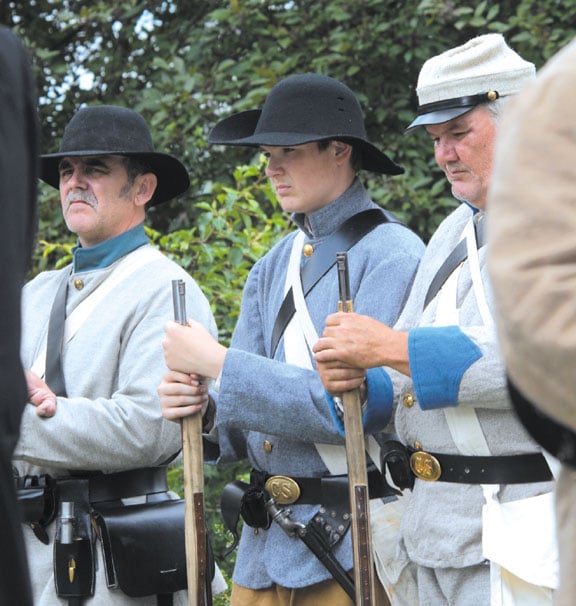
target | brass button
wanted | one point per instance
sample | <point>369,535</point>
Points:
<point>408,400</point>
<point>78,284</point>
<point>492,95</point>
<point>417,445</point>
<point>267,446</point>
<point>425,466</point>
<point>308,250</point>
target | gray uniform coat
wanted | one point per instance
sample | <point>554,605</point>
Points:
<point>262,399</point>
<point>452,366</point>
<point>111,419</point>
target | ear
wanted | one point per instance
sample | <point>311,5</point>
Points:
<point>342,151</point>
<point>145,188</point>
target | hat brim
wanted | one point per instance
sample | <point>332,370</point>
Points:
<point>439,116</point>
<point>173,178</point>
<point>239,130</point>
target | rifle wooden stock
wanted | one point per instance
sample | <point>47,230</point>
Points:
<point>359,500</point>
<point>195,521</point>
<point>199,593</point>
<point>357,473</point>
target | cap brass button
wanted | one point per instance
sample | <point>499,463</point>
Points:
<point>308,250</point>
<point>267,446</point>
<point>78,284</point>
<point>408,400</point>
<point>417,445</point>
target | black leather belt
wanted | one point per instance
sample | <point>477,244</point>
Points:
<point>316,491</point>
<point>506,469</point>
<point>126,484</point>
<point>38,496</point>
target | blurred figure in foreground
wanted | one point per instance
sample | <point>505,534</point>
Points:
<point>18,174</point>
<point>532,262</point>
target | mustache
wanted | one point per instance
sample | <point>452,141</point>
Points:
<point>87,197</point>
<point>455,166</point>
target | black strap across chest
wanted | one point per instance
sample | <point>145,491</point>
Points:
<point>459,254</point>
<point>53,375</point>
<point>350,232</point>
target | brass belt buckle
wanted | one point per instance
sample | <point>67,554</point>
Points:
<point>425,466</point>
<point>282,489</point>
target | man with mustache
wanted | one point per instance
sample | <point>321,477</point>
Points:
<point>270,406</point>
<point>95,416</point>
<point>478,527</point>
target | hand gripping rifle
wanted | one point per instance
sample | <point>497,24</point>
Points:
<point>357,473</point>
<point>199,585</point>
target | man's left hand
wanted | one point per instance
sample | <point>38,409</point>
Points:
<point>40,395</point>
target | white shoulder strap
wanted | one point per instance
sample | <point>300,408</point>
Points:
<point>474,262</point>
<point>299,339</point>
<point>129,264</point>
<point>462,422</point>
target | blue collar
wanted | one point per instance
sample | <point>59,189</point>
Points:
<point>472,208</point>
<point>326,220</point>
<point>104,254</point>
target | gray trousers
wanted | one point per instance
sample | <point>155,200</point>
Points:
<point>468,586</point>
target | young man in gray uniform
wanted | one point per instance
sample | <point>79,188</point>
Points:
<point>478,521</point>
<point>270,404</point>
<point>97,411</point>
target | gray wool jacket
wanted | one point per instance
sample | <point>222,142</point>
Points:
<point>262,398</point>
<point>452,366</point>
<point>111,418</point>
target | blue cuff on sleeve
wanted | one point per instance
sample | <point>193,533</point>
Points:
<point>380,400</point>
<point>439,356</point>
<point>378,407</point>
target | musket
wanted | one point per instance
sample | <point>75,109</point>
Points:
<point>199,586</point>
<point>357,472</point>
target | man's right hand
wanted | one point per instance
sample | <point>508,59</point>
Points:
<point>352,340</point>
<point>182,395</point>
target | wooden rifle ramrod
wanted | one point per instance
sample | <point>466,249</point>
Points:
<point>357,472</point>
<point>199,586</point>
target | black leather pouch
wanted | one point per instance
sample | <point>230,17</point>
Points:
<point>144,547</point>
<point>37,502</point>
<point>253,509</point>
<point>396,459</point>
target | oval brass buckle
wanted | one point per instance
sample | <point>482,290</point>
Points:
<point>282,489</point>
<point>425,466</point>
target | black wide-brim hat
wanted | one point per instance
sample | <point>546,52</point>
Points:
<point>302,109</point>
<point>104,130</point>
